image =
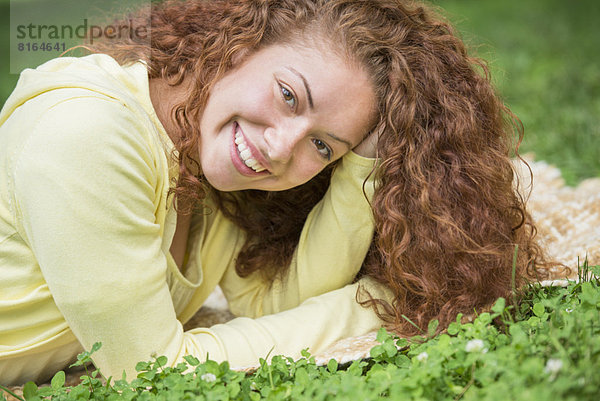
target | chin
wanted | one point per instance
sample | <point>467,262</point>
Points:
<point>222,186</point>
<point>218,181</point>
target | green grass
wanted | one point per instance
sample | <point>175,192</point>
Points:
<point>7,80</point>
<point>548,348</point>
<point>545,61</point>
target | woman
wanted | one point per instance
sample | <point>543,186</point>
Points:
<point>238,148</point>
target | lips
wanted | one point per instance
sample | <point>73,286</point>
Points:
<point>245,157</point>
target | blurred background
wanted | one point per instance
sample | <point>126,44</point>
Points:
<point>545,61</point>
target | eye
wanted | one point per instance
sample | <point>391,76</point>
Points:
<point>323,149</point>
<point>288,96</point>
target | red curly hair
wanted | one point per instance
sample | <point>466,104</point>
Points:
<point>448,217</point>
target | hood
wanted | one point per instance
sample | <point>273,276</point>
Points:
<point>97,72</point>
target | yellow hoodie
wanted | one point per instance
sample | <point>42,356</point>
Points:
<point>86,227</point>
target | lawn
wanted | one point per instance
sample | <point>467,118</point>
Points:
<point>545,62</point>
<point>548,348</point>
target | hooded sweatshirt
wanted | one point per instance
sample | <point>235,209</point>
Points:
<point>86,226</point>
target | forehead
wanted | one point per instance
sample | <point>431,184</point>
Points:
<point>323,68</point>
<point>343,98</point>
<point>310,49</point>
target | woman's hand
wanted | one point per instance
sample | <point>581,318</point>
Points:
<point>368,146</point>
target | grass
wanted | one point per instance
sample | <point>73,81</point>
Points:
<point>545,62</point>
<point>548,348</point>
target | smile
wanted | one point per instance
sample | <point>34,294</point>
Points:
<point>245,157</point>
<point>246,154</point>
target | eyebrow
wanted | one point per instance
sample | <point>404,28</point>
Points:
<point>306,86</point>
<point>345,142</point>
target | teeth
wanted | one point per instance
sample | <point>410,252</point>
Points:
<point>246,154</point>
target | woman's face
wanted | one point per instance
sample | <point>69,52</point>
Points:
<point>280,116</point>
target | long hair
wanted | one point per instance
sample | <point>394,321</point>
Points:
<point>448,216</point>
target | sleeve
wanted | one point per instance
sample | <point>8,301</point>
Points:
<point>316,324</point>
<point>333,244</point>
<point>86,186</point>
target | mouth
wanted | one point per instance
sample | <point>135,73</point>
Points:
<point>246,158</point>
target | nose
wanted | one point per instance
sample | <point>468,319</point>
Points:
<point>282,140</point>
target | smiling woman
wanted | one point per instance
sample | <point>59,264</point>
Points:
<point>282,111</point>
<point>332,165</point>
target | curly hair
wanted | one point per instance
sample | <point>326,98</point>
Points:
<point>448,216</point>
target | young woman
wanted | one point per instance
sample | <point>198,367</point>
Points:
<point>332,165</point>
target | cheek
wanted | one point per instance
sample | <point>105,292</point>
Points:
<point>256,101</point>
<point>246,96</point>
<point>304,170</point>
